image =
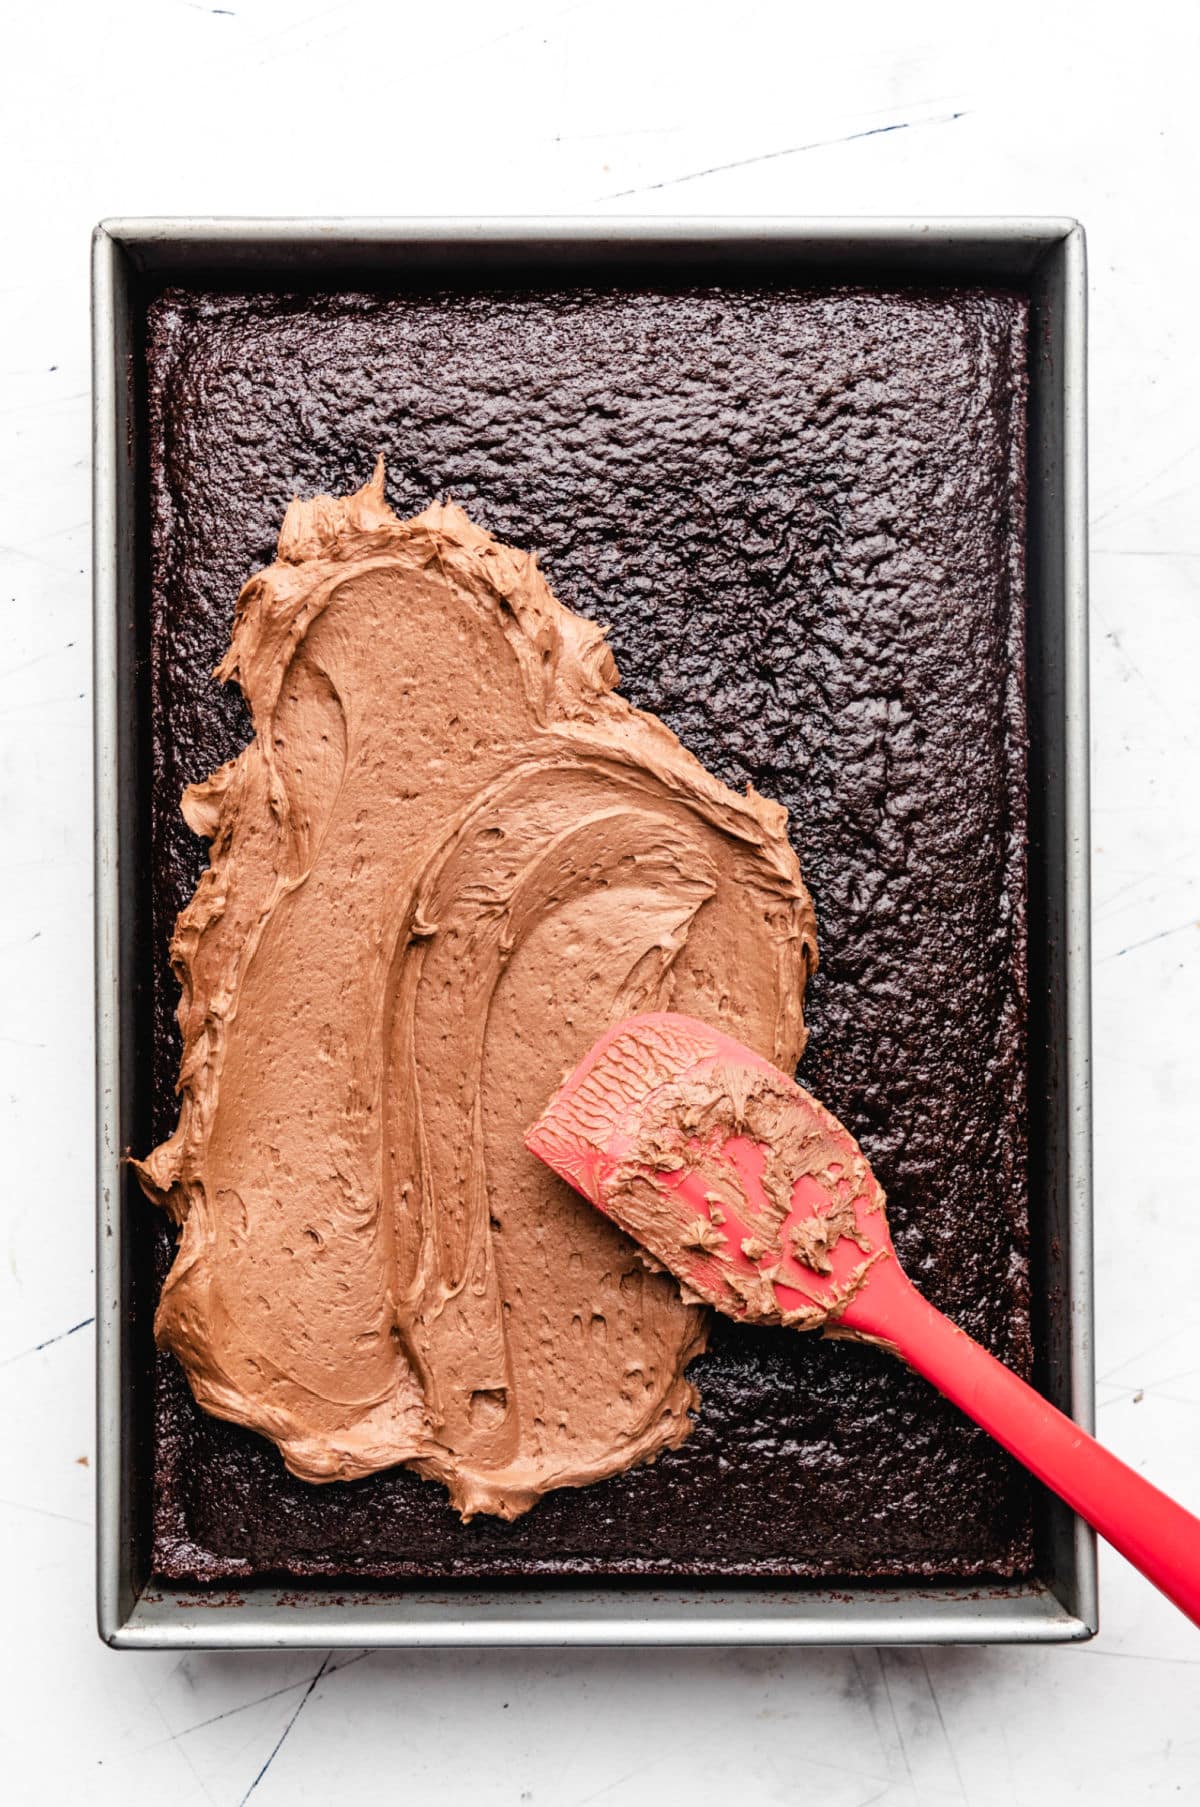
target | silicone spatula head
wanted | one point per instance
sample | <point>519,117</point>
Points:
<point>730,1174</point>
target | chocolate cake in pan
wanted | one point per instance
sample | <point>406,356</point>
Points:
<point>799,515</point>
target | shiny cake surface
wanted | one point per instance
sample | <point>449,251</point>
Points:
<point>801,515</point>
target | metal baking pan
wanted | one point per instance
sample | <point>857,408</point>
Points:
<point>1046,258</point>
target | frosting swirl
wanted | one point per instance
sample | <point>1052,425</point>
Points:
<point>450,857</point>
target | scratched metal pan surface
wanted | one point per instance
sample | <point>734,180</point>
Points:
<point>1046,257</point>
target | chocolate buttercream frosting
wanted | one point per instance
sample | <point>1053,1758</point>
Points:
<point>450,857</point>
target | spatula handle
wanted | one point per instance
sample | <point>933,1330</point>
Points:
<point>1153,1532</point>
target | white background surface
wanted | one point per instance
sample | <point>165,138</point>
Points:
<point>370,107</point>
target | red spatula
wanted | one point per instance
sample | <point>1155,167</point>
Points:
<point>760,1203</point>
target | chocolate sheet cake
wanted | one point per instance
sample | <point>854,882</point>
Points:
<point>801,516</point>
